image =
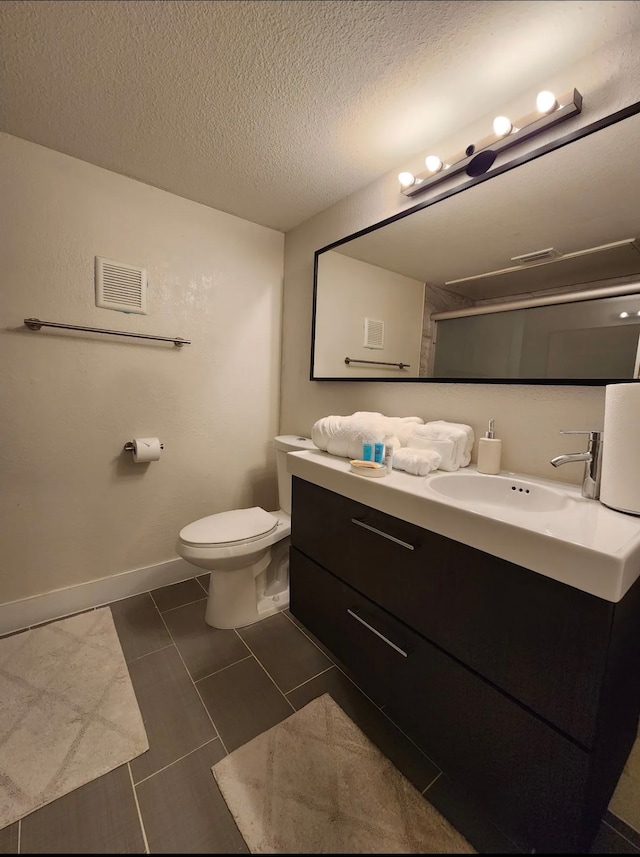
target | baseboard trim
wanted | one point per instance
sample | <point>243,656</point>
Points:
<point>27,612</point>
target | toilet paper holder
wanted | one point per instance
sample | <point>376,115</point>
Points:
<point>130,446</point>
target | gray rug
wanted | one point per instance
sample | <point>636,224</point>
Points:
<point>68,712</point>
<point>316,784</point>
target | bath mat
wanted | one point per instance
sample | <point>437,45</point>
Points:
<point>68,712</point>
<point>316,784</point>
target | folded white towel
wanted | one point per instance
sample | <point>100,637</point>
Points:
<point>416,461</point>
<point>454,442</point>
<point>400,427</point>
<point>470,436</point>
<point>446,449</point>
<point>344,436</point>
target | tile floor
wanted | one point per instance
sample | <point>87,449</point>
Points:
<point>202,693</point>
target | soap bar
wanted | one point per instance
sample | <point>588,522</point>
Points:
<point>367,468</point>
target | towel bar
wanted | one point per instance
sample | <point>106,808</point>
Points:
<point>348,360</point>
<point>36,324</point>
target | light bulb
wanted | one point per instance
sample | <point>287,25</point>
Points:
<point>406,179</point>
<point>546,102</point>
<point>502,126</point>
<point>433,163</point>
<point>623,315</point>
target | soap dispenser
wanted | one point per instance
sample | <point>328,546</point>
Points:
<point>489,452</point>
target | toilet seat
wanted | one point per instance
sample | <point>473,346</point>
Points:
<point>223,529</point>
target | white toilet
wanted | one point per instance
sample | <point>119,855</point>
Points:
<point>247,552</point>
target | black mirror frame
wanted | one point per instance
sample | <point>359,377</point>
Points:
<point>552,146</point>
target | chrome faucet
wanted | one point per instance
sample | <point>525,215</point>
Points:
<point>592,458</point>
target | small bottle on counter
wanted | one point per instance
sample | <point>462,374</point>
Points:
<point>367,452</point>
<point>388,457</point>
<point>489,452</point>
<point>378,452</point>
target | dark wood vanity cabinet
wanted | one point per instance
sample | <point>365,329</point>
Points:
<point>523,689</point>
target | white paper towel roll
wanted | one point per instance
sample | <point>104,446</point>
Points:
<point>146,449</point>
<point>620,481</point>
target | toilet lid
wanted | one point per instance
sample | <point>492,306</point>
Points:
<point>238,525</point>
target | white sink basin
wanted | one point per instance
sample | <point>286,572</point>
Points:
<point>542,525</point>
<point>498,492</point>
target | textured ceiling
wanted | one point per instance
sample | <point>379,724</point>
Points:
<point>272,110</point>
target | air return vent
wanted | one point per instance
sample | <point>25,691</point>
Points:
<point>538,256</point>
<point>373,333</point>
<point>120,286</point>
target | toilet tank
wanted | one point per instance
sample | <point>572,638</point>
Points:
<point>288,443</point>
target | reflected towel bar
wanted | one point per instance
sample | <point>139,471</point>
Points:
<point>36,324</point>
<point>348,360</point>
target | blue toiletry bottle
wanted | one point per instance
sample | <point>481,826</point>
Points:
<point>378,452</point>
<point>367,452</point>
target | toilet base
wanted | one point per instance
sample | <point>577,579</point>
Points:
<point>247,595</point>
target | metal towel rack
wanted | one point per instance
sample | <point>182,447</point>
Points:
<point>36,324</point>
<point>348,360</point>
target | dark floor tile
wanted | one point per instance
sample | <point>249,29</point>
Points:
<point>288,656</point>
<point>139,626</point>
<point>203,580</point>
<point>622,828</point>
<point>404,754</point>
<point>97,818</point>
<point>327,652</point>
<point>173,714</point>
<point>469,819</point>
<point>183,811</point>
<point>204,649</point>
<point>243,702</point>
<point>9,839</point>
<point>177,594</point>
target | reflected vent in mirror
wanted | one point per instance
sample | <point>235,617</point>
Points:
<point>619,259</point>
<point>539,256</point>
<point>373,333</point>
<point>120,286</point>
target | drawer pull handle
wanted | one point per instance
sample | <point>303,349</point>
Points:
<point>384,535</point>
<point>377,633</point>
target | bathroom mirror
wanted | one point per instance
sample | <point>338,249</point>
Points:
<point>528,274</point>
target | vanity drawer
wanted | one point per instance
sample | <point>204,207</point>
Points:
<point>532,778</point>
<point>541,641</point>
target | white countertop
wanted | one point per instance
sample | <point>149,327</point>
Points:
<point>586,545</point>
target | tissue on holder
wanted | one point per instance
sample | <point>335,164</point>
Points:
<point>416,461</point>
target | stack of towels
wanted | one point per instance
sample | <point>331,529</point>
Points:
<point>419,447</point>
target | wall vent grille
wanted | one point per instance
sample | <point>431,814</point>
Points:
<point>373,333</point>
<point>120,286</point>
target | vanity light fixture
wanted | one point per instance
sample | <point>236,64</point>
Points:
<point>502,126</point>
<point>546,102</point>
<point>433,163</point>
<point>479,157</point>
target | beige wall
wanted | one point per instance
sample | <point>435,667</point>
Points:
<point>362,291</point>
<point>528,418</point>
<point>73,506</point>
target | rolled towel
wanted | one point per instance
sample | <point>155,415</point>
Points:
<point>416,461</point>
<point>344,436</point>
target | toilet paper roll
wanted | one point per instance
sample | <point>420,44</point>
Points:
<point>146,449</point>
<point>620,480</point>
